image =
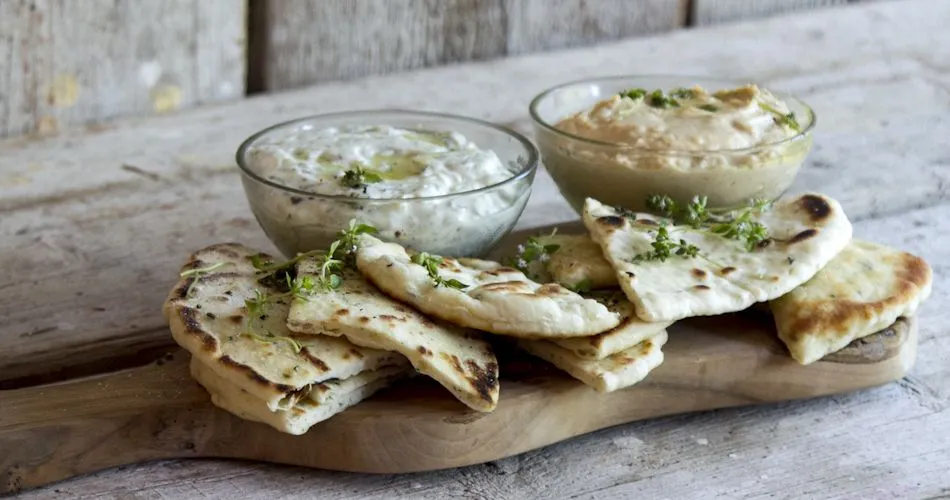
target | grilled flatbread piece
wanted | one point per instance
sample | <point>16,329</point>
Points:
<point>455,357</point>
<point>616,371</point>
<point>319,403</point>
<point>631,331</point>
<point>807,231</point>
<point>210,320</point>
<point>496,299</point>
<point>861,291</point>
<point>579,260</point>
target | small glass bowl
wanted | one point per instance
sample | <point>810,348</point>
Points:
<point>467,223</point>
<point>625,175</point>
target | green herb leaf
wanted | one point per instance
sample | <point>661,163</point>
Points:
<point>658,100</point>
<point>197,273</point>
<point>664,248</point>
<point>708,107</point>
<point>533,250</point>
<point>273,339</point>
<point>786,119</point>
<point>356,177</point>
<point>682,93</point>
<point>431,265</point>
<point>635,94</point>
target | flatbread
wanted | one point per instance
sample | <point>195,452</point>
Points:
<point>210,322</point>
<point>630,332</point>
<point>861,291</point>
<point>807,230</point>
<point>321,402</point>
<point>617,371</point>
<point>455,357</point>
<point>497,299</point>
<point>579,260</point>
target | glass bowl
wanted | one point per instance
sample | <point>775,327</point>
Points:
<point>466,223</point>
<point>625,175</point>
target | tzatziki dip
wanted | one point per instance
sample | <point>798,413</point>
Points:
<point>729,145</point>
<point>414,186</point>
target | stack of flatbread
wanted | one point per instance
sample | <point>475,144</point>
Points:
<point>286,381</point>
<point>824,289</point>
<point>600,312</point>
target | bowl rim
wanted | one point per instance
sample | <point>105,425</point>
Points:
<point>535,102</point>
<point>531,163</point>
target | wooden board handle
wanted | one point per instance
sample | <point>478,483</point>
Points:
<point>52,432</point>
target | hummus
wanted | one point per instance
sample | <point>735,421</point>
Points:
<point>376,175</point>
<point>730,146</point>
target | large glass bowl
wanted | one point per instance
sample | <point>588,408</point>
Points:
<point>624,175</point>
<point>458,224</point>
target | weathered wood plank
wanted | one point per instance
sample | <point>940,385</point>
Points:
<point>303,42</point>
<point>863,445</point>
<point>535,25</point>
<point>66,63</point>
<point>89,244</point>
<point>706,12</point>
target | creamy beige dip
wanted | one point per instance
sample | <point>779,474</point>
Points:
<point>726,145</point>
<point>377,175</point>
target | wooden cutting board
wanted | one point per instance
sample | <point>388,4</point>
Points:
<point>156,411</point>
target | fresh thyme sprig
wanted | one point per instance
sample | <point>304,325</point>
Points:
<point>254,323</point>
<point>533,250</point>
<point>431,265</point>
<point>197,273</point>
<point>339,254</point>
<point>738,225</point>
<point>356,177</point>
<point>786,119</point>
<point>664,247</point>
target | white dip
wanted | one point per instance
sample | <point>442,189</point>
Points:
<point>371,172</point>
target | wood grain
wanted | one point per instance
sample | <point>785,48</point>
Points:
<point>303,42</point>
<point>53,432</point>
<point>706,12</point>
<point>65,63</point>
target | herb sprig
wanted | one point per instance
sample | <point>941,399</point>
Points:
<point>254,323</point>
<point>786,119</point>
<point>197,273</point>
<point>533,250</point>
<point>339,254</point>
<point>665,247</point>
<point>738,225</point>
<point>635,94</point>
<point>357,177</point>
<point>431,265</point>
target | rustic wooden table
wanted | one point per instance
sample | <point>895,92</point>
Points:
<point>93,222</point>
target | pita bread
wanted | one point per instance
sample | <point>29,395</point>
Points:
<point>455,357</point>
<point>321,402</point>
<point>807,230</point>
<point>630,332</point>
<point>616,371</point>
<point>579,260</point>
<point>861,291</point>
<point>497,299</point>
<point>210,322</point>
